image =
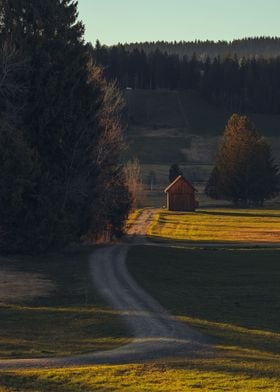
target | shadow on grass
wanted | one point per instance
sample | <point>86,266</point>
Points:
<point>71,319</point>
<point>252,214</point>
<point>32,382</point>
<point>206,245</point>
<point>236,363</point>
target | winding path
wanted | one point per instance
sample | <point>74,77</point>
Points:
<point>156,334</point>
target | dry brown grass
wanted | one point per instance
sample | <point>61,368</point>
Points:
<point>21,286</point>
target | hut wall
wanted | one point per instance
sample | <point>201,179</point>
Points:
<point>181,197</point>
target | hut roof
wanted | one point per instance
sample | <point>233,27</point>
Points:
<point>175,182</point>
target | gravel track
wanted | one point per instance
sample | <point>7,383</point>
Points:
<point>156,334</point>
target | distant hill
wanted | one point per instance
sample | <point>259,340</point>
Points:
<point>266,47</point>
<point>166,127</point>
<point>249,84</point>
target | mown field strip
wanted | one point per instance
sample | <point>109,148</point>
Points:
<point>220,225</point>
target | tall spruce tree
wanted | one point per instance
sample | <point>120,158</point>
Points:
<point>174,172</point>
<point>65,121</point>
<point>245,172</point>
<point>19,168</point>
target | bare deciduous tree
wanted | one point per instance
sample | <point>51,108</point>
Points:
<point>133,179</point>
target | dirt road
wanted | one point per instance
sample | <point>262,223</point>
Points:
<point>140,225</point>
<point>156,334</point>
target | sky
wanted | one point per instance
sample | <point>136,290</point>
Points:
<point>113,21</point>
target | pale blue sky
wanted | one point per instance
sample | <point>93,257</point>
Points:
<point>113,21</point>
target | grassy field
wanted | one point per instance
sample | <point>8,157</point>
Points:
<point>235,372</point>
<point>232,296</point>
<point>218,225</point>
<point>67,318</point>
<point>166,127</point>
<point>159,149</point>
<point>183,110</point>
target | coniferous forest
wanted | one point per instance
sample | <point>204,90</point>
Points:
<point>246,47</point>
<point>230,75</point>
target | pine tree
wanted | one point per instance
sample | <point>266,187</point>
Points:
<point>245,172</point>
<point>174,172</point>
<point>19,169</point>
<point>66,118</point>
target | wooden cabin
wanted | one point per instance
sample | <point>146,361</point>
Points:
<point>181,195</point>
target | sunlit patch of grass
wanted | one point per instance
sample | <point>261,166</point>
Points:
<point>218,225</point>
<point>133,217</point>
<point>243,372</point>
<point>231,295</point>
<point>260,341</point>
<point>71,319</point>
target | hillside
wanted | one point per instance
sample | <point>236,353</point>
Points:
<point>167,126</point>
<point>250,84</point>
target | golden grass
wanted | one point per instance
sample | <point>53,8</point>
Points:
<point>234,337</point>
<point>232,371</point>
<point>218,225</point>
<point>133,216</point>
<point>23,286</point>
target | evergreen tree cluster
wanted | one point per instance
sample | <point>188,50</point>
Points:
<point>61,143</point>
<point>246,47</point>
<point>233,83</point>
<point>174,172</point>
<point>245,172</point>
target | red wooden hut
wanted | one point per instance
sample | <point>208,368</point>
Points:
<point>181,195</point>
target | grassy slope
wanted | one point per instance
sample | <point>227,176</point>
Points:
<point>231,295</point>
<point>186,111</point>
<point>206,119</point>
<point>71,320</point>
<point>159,128</point>
<point>235,373</point>
<point>220,225</point>
<point>164,125</point>
<point>210,298</point>
<point>167,127</point>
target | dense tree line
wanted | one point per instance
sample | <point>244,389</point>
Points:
<point>241,85</point>
<point>247,47</point>
<point>61,144</point>
<point>245,172</point>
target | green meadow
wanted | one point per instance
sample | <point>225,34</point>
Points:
<point>68,319</point>
<point>232,296</point>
